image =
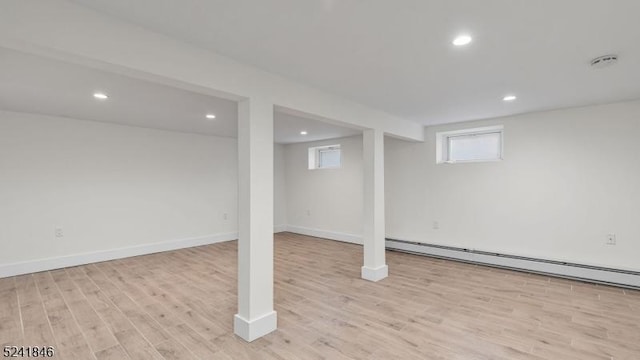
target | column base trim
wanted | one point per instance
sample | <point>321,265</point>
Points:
<point>375,274</point>
<point>251,330</point>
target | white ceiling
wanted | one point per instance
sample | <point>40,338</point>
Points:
<point>288,127</point>
<point>397,55</point>
<point>35,84</point>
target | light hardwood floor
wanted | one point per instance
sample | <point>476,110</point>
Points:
<point>180,305</point>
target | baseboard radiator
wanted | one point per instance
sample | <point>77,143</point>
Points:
<point>594,274</point>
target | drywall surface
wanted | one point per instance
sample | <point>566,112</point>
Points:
<point>109,187</point>
<point>71,32</point>
<point>279,188</point>
<point>568,179</point>
<point>325,199</point>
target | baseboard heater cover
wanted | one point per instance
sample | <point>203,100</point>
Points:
<point>588,273</point>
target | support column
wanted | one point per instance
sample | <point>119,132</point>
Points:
<point>375,266</point>
<point>255,317</point>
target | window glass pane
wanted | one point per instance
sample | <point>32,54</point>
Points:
<point>329,158</point>
<point>475,147</point>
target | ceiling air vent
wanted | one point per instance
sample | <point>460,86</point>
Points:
<point>604,61</point>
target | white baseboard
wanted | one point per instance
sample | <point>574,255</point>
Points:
<point>331,235</point>
<point>279,228</point>
<point>251,330</point>
<point>31,266</point>
<point>375,274</point>
<point>27,267</point>
<point>583,272</point>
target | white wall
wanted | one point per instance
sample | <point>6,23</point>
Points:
<point>279,188</point>
<point>109,187</point>
<point>569,178</point>
<point>325,200</point>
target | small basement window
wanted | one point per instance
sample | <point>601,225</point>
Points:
<point>325,157</point>
<point>469,145</point>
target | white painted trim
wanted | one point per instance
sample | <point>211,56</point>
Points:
<point>251,330</point>
<point>27,267</point>
<point>325,234</point>
<point>375,274</point>
<point>582,272</point>
<point>279,228</point>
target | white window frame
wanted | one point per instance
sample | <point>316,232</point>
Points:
<point>314,157</point>
<point>443,143</point>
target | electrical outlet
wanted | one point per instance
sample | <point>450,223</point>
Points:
<point>58,232</point>
<point>436,225</point>
<point>611,239</point>
<point>308,212</point>
<point>225,216</point>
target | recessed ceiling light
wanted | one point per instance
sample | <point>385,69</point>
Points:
<point>509,98</point>
<point>303,133</point>
<point>462,40</point>
<point>100,96</point>
<point>210,116</point>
